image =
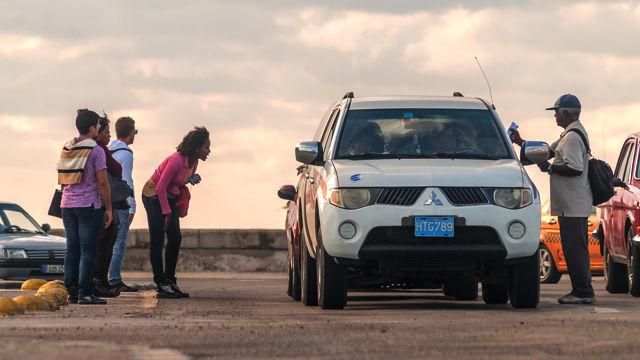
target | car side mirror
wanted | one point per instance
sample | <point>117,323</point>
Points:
<point>309,152</point>
<point>535,152</point>
<point>46,228</point>
<point>287,192</point>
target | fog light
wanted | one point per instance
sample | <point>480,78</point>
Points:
<point>347,230</point>
<point>517,230</point>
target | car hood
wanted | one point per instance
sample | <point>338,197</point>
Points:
<point>429,172</point>
<point>32,241</point>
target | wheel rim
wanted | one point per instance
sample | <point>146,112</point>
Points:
<point>545,263</point>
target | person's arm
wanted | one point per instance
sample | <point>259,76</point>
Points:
<point>562,170</point>
<point>518,140</point>
<point>171,170</point>
<point>105,193</point>
<point>126,160</point>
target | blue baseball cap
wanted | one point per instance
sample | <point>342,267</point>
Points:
<point>566,101</point>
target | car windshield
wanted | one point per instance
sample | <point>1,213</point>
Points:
<point>421,133</point>
<point>14,220</point>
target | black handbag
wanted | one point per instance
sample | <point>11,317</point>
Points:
<point>54,207</point>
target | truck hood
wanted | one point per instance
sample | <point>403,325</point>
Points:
<point>32,241</point>
<point>429,172</point>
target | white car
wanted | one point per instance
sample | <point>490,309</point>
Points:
<point>26,249</point>
<point>417,192</point>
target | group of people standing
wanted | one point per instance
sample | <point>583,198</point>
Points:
<point>98,206</point>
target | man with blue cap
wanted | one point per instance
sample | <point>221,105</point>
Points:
<point>571,197</point>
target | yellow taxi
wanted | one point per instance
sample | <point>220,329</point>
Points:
<point>552,261</point>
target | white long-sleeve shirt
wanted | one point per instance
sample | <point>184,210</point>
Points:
<point>125,158</point>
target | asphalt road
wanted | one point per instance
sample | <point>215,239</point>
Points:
<point>249,316</point>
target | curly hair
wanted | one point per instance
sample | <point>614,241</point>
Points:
<point>193,141</point>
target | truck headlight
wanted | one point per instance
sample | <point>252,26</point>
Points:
<point>353,198</point>
<point>512,198</point>
<point>14,254</point>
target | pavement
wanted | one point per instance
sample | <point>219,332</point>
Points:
<point>249,316</point>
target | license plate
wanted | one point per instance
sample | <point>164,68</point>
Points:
<point>52,269</point>
<point>434,226</point>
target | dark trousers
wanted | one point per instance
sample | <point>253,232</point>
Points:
<point>574,237</point>
<point>82,226</point>
<point>163,271</point>
<point>104,252</point>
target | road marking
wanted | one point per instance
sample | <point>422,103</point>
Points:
<point>149,299</point>
<point>604,310</point>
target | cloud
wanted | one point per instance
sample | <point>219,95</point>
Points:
<point>260,75</point>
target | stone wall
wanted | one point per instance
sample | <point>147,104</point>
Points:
<point>214,250</point>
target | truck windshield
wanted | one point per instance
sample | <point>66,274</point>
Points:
<point>421,133</point>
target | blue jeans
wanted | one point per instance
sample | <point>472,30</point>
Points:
<point>119,247</point>
<point>82,226</point>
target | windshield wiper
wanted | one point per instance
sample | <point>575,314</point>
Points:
<point>478,156</point>
<point>388,156</point>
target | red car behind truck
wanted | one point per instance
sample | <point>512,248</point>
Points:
<point>619,224</point>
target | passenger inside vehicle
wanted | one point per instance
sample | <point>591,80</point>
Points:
<point>368,140</point>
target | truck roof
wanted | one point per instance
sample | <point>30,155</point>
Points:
<point>413,102</point>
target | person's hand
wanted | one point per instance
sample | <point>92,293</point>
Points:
<point>544,166</point>
<point>131,215</point>
<point>167,221</point>
<point>195,179</point>
<point>108,218</point>
<point>516,138</point>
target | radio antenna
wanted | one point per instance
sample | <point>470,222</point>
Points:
<point>487,80</point>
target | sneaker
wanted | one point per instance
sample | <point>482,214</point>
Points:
<point>91,300</point>
<point>175,288</point>
<point>72,299</point>
<point>574,300</point>
<point>122,287</point>
<point>104,291</point>
<point>165,291</point>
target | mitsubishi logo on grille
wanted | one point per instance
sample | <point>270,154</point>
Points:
<point>433,200</point>
<point>52,255</point>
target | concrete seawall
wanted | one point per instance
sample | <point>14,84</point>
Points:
<point>214,250</point>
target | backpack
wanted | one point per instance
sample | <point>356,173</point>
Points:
<point>600,175</point>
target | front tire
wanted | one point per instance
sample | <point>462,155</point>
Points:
<point>549,273</point>
<point>615,275</point>
<point>294,290</point>
<point>633,264</point>
<point>332,280</point>
<point>524,287</point>
<point>309,294</point>
<point>466,290</point>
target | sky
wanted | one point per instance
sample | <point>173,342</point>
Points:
<point>260,75</point>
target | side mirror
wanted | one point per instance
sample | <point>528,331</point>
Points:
<point>46,228</point>
<point>309,152</point>
<point>287,192</point>
<point>535,152</point>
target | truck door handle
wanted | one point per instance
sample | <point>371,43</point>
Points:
<point>551,221</point>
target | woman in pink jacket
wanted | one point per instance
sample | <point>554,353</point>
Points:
<point>165,199</point>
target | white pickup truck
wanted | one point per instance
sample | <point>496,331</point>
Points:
<point>416,192</point>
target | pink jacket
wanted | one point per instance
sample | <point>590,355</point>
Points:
<point>169,177</point>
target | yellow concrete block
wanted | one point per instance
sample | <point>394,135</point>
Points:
<point>33,284</point>
<point>32,303</point>
<point>10,307</point>
<point>53,284</point>
<point>51,300</point>
<point>58,293</point>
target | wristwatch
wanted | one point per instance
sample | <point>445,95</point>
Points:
<point>549,170</point>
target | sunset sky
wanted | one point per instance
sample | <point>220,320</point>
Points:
<point>260,74</point>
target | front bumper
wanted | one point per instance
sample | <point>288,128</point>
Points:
<point>483,234</point>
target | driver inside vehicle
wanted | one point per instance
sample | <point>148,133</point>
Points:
<point>368,140</point>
